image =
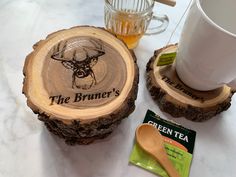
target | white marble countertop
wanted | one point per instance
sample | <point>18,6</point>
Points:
<point>27,149</point>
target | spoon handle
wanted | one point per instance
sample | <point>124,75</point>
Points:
<point>167,2</point>
<point>168,166</point>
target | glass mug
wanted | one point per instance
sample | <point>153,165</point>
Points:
<point>129,19</point>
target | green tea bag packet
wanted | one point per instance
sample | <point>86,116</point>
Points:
<point>166,59</point>
<point>178,142</point>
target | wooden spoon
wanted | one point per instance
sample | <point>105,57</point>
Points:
<point>149,139</point>
<point>167,2</point>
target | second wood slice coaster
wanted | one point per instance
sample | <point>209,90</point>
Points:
<point>177,99</point>
<point>81,82</point>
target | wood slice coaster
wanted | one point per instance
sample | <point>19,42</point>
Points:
<point>81,82</point>
<point>177,99</point>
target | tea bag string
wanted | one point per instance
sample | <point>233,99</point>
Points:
<point>179,21</point>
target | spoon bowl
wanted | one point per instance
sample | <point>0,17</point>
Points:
<point>150,140</point>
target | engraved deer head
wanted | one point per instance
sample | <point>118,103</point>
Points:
<point>81,65</point>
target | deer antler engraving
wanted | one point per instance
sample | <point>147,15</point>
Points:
<point>81,67</point>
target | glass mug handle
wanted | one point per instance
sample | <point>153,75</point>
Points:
<point>163,19</point>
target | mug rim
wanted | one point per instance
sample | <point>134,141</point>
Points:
<point>212,22</point>
<point>149,9</point>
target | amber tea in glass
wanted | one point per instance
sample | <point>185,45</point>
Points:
<point>129,19</point>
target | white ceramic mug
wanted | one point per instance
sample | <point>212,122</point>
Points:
<point>206,57</point>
